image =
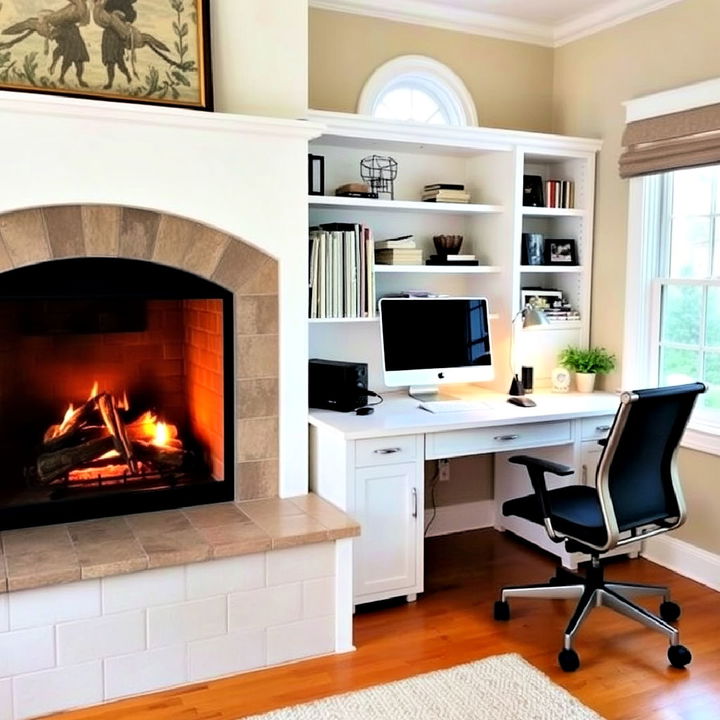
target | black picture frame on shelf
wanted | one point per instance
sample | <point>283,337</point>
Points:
<point>533,191</point>
<point>532,251</point>
<point>560,251</point>
<point>316,174</point>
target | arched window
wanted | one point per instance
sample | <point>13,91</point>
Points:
<point>419,89</point>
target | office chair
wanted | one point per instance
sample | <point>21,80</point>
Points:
<point>637,496</point>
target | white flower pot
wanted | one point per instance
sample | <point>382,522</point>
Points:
<point>585,382</point>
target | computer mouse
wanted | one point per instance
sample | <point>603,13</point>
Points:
<point>521,401</point>
<point>364,411</point>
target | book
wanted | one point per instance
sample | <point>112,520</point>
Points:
<point>401,256</point>
<point>446,200</point>
<point>443,260</point>
<point>446,194</point>
<point>355,187</point>
<point>444,186</point>
<point>349,194</point>
<point>406,242</point>
<point>458,258</point>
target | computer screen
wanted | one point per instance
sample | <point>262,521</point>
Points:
<point>430,341</point>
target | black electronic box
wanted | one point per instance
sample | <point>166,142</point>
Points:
<point>337,385</point>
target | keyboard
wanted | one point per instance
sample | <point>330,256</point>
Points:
<point>443,406</point>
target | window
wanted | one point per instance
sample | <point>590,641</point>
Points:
<point>418,89</point>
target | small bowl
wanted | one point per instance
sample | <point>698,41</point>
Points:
<point>448,244</point>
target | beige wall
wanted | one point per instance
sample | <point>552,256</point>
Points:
<point>260,56</point>
<point>593,76</point>
<point>510,82</point>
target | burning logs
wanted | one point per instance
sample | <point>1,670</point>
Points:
<point>96,436</point>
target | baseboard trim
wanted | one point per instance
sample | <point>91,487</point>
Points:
<point>684,559</point>
<point>463,516</point>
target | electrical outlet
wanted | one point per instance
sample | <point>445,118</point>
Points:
<point>443,470</point>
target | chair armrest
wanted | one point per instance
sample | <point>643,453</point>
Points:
<point>537,467</point>
<point>540,464</point>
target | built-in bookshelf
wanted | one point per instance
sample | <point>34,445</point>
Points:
<point>490,164</point>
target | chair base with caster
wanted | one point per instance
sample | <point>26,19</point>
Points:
<point>593,591</point>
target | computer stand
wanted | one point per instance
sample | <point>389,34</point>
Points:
<point>429,393</point>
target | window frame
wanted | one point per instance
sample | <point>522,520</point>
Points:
<point>426,74</point>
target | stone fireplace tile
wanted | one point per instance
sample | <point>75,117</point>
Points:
<point>257,439</point>
<point>338,524</point>
<point>291,531</point>
<point>25,237</point>
<point>257,479</point>
<point>264,281</point>
<point>51,538</point>
<point>256,314</point>
<point>175,548</point>
<point>101,230</point>
<point>65,231</point>
<point>153,523</point>
<point>238,539</point>
<point>138,230</point>
<point>5,261</point>
<point>257,397</point>
<point>238,265</point>
<point>206,251</point>
<point>273,508</point>
<point>205,516</point>
<point>189,245</point>
<point>3,577</point>
<point>257,356</point>
<point>41,567</point>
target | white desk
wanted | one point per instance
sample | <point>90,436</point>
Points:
<point>372,467</point>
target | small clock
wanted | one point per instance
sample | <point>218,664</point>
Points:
<point>560,379</point>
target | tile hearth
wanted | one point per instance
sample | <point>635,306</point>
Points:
<point>56,554</point>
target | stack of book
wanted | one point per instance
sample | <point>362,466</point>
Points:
<point>445,192</point>
<point>341,276</point>
<point>398,251</point>
<point>559,194</point>
<point>464,259</point>
<point>356,190</point>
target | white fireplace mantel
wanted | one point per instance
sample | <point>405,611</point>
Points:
<point>245,176</point>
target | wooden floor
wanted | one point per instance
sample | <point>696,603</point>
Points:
<point>624,674</point>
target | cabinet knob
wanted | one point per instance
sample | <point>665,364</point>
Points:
<point>602,428</point>
<point>584,475</point>
<point>386,451</point>
<point>506,437</point>
<point>415,507</point>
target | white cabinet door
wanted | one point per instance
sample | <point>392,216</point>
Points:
<point>388,553</point>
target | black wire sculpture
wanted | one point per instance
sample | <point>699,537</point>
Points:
<point>380,172</point>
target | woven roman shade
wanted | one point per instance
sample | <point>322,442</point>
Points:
<point>690,138</point>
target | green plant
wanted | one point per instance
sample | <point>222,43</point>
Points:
<point>594,360</point>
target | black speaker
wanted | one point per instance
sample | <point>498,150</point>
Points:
<point>337,385</point>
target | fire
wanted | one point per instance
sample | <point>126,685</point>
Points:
<point>162,434</point>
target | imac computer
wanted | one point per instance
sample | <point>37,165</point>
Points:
<point>427,342</point>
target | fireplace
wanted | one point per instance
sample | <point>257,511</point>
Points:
<point>116,382</point>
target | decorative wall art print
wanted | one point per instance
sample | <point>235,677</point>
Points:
<point>152,51</point>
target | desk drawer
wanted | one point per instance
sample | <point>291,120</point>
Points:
<point>475,441</point>
<point>596,428</point>
<point>385,450</point>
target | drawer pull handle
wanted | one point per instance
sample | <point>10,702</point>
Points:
<point>387,451</point>
<point>415,504</point>
<point>602,428</point>
<point>506,437</point>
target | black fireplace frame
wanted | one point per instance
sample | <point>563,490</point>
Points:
<point>105,278</point>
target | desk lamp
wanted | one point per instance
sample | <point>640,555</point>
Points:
<point>531,318</point>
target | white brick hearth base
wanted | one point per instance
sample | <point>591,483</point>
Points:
<point>83,643</point>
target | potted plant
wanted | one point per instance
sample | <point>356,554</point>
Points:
<point>586,364</point>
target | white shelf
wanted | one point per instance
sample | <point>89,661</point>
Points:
<point>551,268</point>
<point>554,326</point>
<point>331,201</point>
<point>552,212</point>
<point>343,320</point>
<point>438,269</point>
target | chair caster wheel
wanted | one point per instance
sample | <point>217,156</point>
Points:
<point>569,660</point>
<point>679,656</point>
<point>669,611</point>
<point>501,610</point>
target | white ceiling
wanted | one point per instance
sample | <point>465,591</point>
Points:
<point>543,22</point>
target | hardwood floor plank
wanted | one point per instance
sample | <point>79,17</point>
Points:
<point>624,673</point>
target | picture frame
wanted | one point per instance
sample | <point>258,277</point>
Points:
<point>532,251</point>
<point>155,52</point>
<point>316,174</point>
<point>560,252</point>
<point>533,191</point>
<point>540,298</point>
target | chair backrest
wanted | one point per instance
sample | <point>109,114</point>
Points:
<point>637,478</point>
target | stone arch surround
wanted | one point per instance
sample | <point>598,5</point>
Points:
<point>51,233</point>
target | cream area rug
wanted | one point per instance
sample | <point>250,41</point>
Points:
<point>503,687</point>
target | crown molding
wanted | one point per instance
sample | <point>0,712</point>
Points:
<point>611,14</point>
<point>434,14</point>
<point>423,12</point>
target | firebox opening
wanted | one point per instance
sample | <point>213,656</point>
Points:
<point>116,383</point>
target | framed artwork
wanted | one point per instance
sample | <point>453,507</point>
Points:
<point>540,298</point>
<point>146,51</point>
<point>316,175</point>
<point>532,251</point>
<point>560,252</point>
<point>533,191</point>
